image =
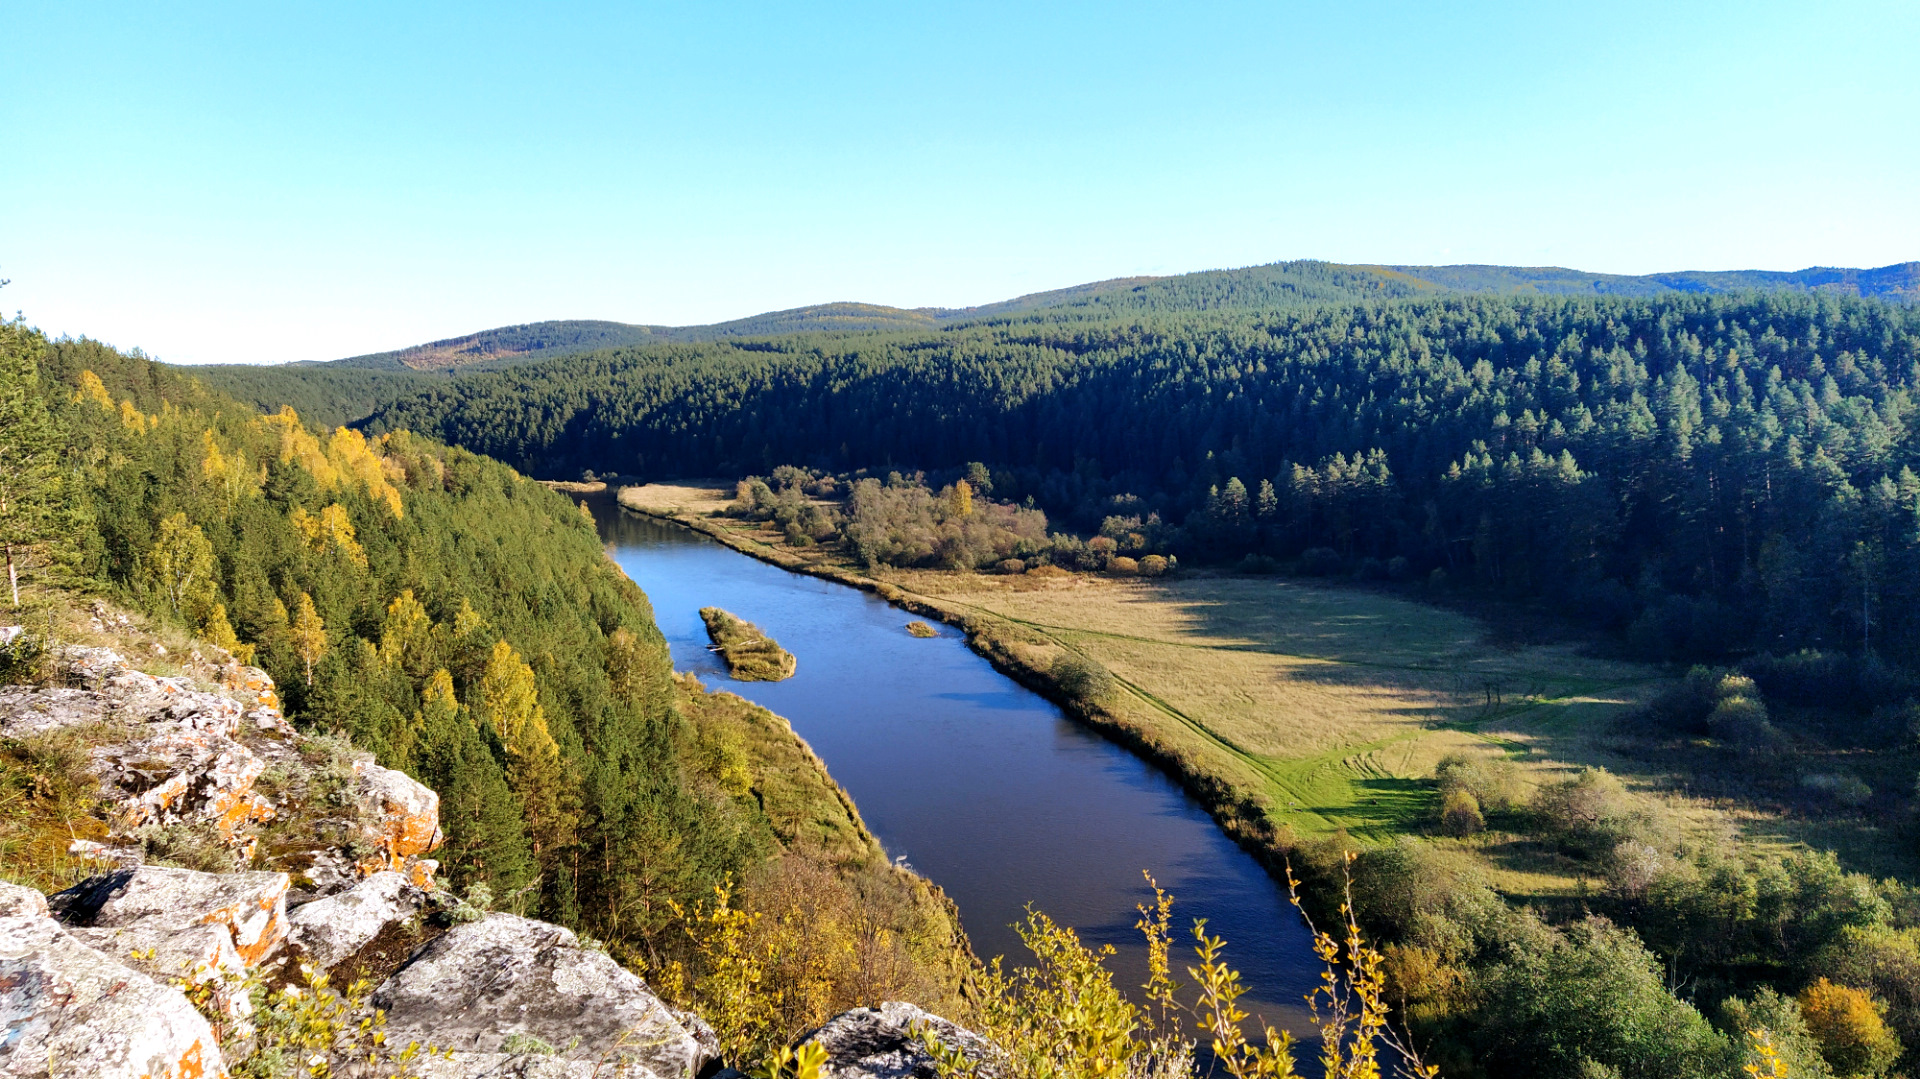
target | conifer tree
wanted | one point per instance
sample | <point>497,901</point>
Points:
<point>30,489</point>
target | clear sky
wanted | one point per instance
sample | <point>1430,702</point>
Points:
<point>260,182</point>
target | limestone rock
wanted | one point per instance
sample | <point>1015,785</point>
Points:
<point>504,977</point>
<point>409,813</point>
<point>70,1011</point>
<point>183,774</point>
<point>882,1043</point>
<point>20,901</point>
<point>251,908</point>
<point>26,711</point>
<point>329,931</point>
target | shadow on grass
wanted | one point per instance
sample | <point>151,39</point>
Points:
<point>1382,807</point>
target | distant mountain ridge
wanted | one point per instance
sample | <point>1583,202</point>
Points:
<point>1279,284</point>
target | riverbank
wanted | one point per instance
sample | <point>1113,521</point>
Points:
<point>1302,715</point>
<point>1231,800</point>
<point>832,863</point>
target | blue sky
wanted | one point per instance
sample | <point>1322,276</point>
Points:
<point>269,182</point>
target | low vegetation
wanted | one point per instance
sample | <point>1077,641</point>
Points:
<point>750,655</point>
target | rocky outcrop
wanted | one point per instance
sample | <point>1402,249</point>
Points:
<point>330,931</point>
<point>90,979</point>
<point>191,751</point>
<point>71,1011</point>
<point>20,902</point>
<point>405,817</point>
<point>249,909</point>
<point>884,1043</point>
<point>492,989</point>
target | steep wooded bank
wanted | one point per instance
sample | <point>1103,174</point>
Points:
<point>463,625</point>
<point>1711,473</point>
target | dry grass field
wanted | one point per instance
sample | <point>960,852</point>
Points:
<point>696,497</point>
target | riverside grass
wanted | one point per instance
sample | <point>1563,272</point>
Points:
<point>1299,710</point>
<point>751,655</point>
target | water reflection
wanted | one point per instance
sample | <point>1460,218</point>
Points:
<point>976,782</point>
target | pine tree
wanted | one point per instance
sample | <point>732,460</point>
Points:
<point>30,487</point>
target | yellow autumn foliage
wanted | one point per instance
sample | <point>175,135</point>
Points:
<point>329,530</point>
<point>228,472</point>
<point>92,389</point>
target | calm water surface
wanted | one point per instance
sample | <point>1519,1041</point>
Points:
<point>976,782</point>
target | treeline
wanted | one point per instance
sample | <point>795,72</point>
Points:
<point>457,619</point>
<point>1714,473</point>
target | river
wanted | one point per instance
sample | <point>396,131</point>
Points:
<point>976,782</point>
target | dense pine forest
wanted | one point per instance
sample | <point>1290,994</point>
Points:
<point>1707,474</point>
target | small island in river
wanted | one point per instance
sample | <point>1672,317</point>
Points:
<point>751,655</point>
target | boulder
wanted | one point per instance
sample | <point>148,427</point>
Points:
<point>409,813</point>
<point>70,1011</point>
<point>26,711</point>
<point>884,1043</point>
<point>329,931</point>
<point>179,774</point>
<point>19,901</point>
<point>503,983</point>
<point>251,908</point>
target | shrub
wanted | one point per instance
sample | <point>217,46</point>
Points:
<point>1415,893</point>
<point>1591,814</point>
<point>1843,787</point>
<point>1593,993</point>
<point>1851,1028</point>
<point>1778,1018</point>
<point>1010,566</point>
<point>1633,867</point>
<point>1081,678</point>
<point>1741,720</point>
<point>1491,781</point>
<point>23,659</point>
<point>1122,566</point>
<point>1153,565</point>
<point>1885,960</point>
<point>1460,814</point>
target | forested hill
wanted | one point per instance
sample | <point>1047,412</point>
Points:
<point>1717,472</point>
<point>541,340</point>
<point>455,618</point>
<point>1899,282</point>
